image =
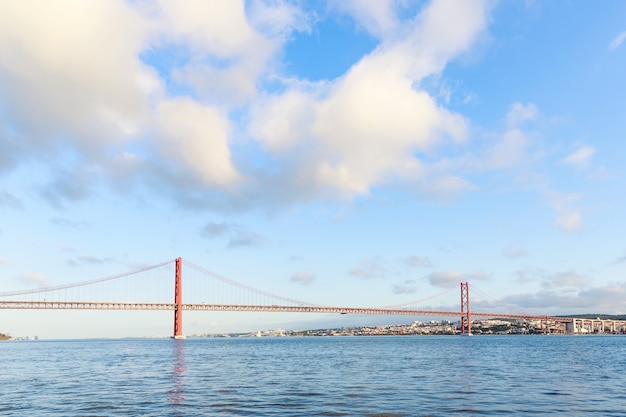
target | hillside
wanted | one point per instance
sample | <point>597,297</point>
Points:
<point>598,316</point>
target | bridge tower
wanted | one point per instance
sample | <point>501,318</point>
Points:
<point>178,300</point>
<point>466,324</point>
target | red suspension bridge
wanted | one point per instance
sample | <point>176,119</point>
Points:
<point>149,288</point>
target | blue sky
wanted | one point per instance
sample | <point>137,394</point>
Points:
<point>361,153</point>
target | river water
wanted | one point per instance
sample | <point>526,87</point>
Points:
<point>317,376</point>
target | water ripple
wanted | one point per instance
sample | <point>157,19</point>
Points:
<point>377,377</point>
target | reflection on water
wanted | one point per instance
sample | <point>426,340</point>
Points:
<point>176,395</point>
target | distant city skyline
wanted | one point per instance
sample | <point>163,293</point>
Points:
<point>341,152</point>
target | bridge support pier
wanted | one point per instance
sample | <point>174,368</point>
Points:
<point>178,301</point>
<point>570,327</point>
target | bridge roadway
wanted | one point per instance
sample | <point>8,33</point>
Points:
<point>67,305</point>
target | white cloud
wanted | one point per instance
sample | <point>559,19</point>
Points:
<point>520,113</point>
<point>445,279</point>
<point>214,230</point>
<point>406,287</point>
<point>581,158</point>
<point>196,137</point>
<point>69,79</point>
<point>35,278</point>
<point>419,261</point>
<point>447,28</point>
<point>65,72</point>
<point>370,127</point>
<point>88,259</point>
<point>509,151</point>
<point>442,186</point>
<point>246,238</point>
<point>528,275</point>
<point>237,235</point>
<point>608,298</point>
<point>564,279</point>
<point>569,218</point>
<point>219,28</point>
<point>368,269</point>
<point>366,127</point>
<point>226,53</point>
<point>376,16</point>
<point>4,261</point>
<point>68,186</point>
<point>280,121</point>
<point>448,279</point>
<point>277,19</point>
<point>303,278</point>
<point>616,43</point>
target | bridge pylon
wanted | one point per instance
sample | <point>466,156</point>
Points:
<point>178,301</point>
<point>466,324</point>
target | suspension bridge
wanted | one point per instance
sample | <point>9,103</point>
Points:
<point>150,288</point>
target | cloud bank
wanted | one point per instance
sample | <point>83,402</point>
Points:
<point>189,97</point>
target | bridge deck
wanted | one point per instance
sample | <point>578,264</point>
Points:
<point>67,305</point>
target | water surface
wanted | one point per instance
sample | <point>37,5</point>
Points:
<point>332,376</point>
